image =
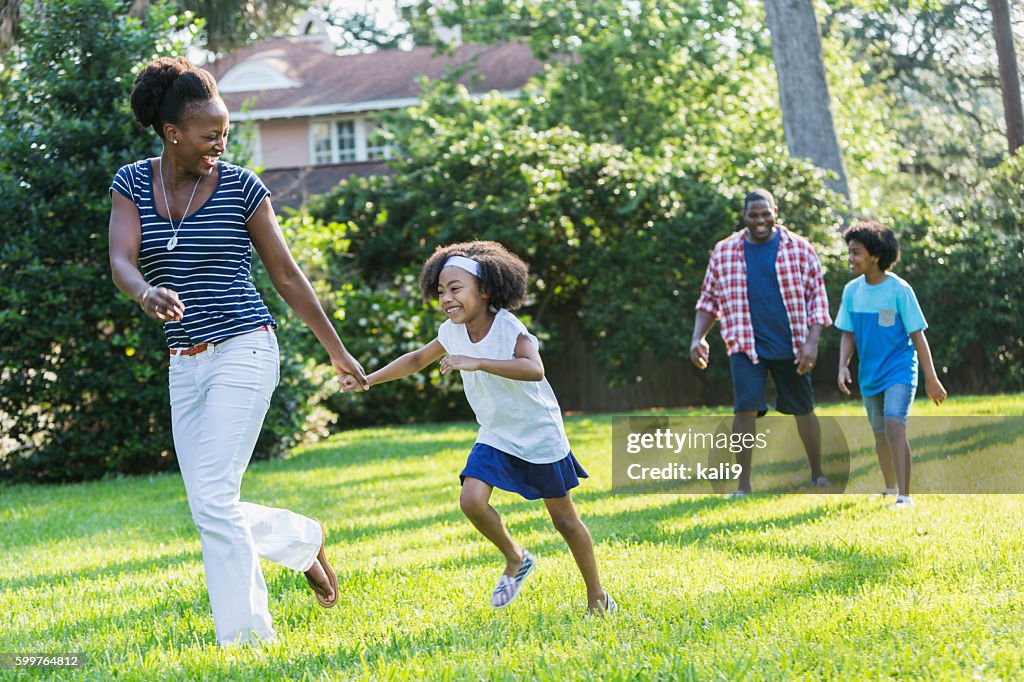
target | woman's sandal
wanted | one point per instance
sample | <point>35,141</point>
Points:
<point>332,579</point>
<point>508,588</point>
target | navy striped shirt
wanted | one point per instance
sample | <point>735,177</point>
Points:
<point>211,266</point>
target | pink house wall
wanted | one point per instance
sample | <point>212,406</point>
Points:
<point>285,143</point>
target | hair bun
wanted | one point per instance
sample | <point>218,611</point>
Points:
<point>151,84</point>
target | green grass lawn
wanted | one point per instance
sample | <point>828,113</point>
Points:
<point>767,587</point>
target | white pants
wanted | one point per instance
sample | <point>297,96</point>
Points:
<point>218,401</point>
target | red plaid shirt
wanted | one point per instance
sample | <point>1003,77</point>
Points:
<point>724,291</point>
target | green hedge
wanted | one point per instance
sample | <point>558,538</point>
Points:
<point>615,237</point>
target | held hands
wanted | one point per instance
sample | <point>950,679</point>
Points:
<point>460,362</point>
<point>844,380</point>
<point>699,353</point>
<point>349,384</point>
<point>162,304</point>
<point>806,358</point>
<point>351,376</point>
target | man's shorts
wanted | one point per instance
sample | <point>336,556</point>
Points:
<point>795,394</point>
<point>892,403</point>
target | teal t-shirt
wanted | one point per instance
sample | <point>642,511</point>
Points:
<point>882,317</point>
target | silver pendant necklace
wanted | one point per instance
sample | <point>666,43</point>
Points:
<point>173,241</point>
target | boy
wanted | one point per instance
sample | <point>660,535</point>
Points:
<point>880,314</point>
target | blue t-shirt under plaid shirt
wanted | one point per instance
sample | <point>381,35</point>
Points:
<point>772,338</point>
<point>210,268</point>
<point>882,317</point>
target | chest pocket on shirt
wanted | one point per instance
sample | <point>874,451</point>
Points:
<point>886,318</point>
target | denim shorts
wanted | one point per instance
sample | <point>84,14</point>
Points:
<point>794,393</point>
<point>892,403</point>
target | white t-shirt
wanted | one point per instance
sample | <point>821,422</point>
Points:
<point>521,418</point>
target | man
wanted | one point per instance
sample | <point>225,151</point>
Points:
<point>765,285</point>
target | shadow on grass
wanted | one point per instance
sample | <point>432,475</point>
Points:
<point>41,525</point>
<point>705,617</point>
<point>40,580</point>
<point>954,447</point>
<point>838,568</point>
<point>394,444</point>
<point>83,511</point>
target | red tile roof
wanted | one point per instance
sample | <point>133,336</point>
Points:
<point>348,80</point>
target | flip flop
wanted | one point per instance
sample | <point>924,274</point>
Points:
<point>332,579</point>
<point>608,608</point>
<point>511,586</point>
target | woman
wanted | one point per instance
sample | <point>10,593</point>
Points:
<point>182,228</point>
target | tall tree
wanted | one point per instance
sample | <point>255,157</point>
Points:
<point>934,62</point>
<point>1009,79</point>
<point>803,88</point>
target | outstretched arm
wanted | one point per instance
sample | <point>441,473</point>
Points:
<point>410,363</point>
<point>936,391</point>
<point>526,366</point>
<point>296,290</point>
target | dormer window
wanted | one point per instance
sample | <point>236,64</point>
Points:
<point>255,76</point>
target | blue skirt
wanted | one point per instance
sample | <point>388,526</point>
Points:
<point>532,481</point>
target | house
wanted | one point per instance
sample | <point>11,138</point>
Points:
<point>314,110</point>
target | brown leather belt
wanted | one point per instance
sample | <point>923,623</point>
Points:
<point>196,350</point>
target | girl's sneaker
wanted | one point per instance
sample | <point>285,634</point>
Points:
<point>507,588</point>
<point>887,492</point>
<point>903,502</point>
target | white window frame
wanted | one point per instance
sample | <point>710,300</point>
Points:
<point>361,128</point>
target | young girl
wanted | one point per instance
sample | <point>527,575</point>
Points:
<point>521,446</point>
<point>879,314</point>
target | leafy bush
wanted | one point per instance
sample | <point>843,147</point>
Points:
<point>966,265</point>
<point>377,323</point>
<point>83,383</point>
<point>84,390</point>
<point>615,238</point>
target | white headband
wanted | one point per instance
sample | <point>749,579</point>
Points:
<point>467,264</point>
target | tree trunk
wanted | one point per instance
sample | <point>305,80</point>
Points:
<point>10,17</point>
<point>803,89</point>
<point>1009,79</point>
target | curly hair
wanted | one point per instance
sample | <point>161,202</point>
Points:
<point>166,87</point>
<point>503,275</point>
<point>877,239</point>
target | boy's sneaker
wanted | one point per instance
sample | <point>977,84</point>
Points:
<point>903,502</point>
<point>887,492</point>
<point>821,482</point>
